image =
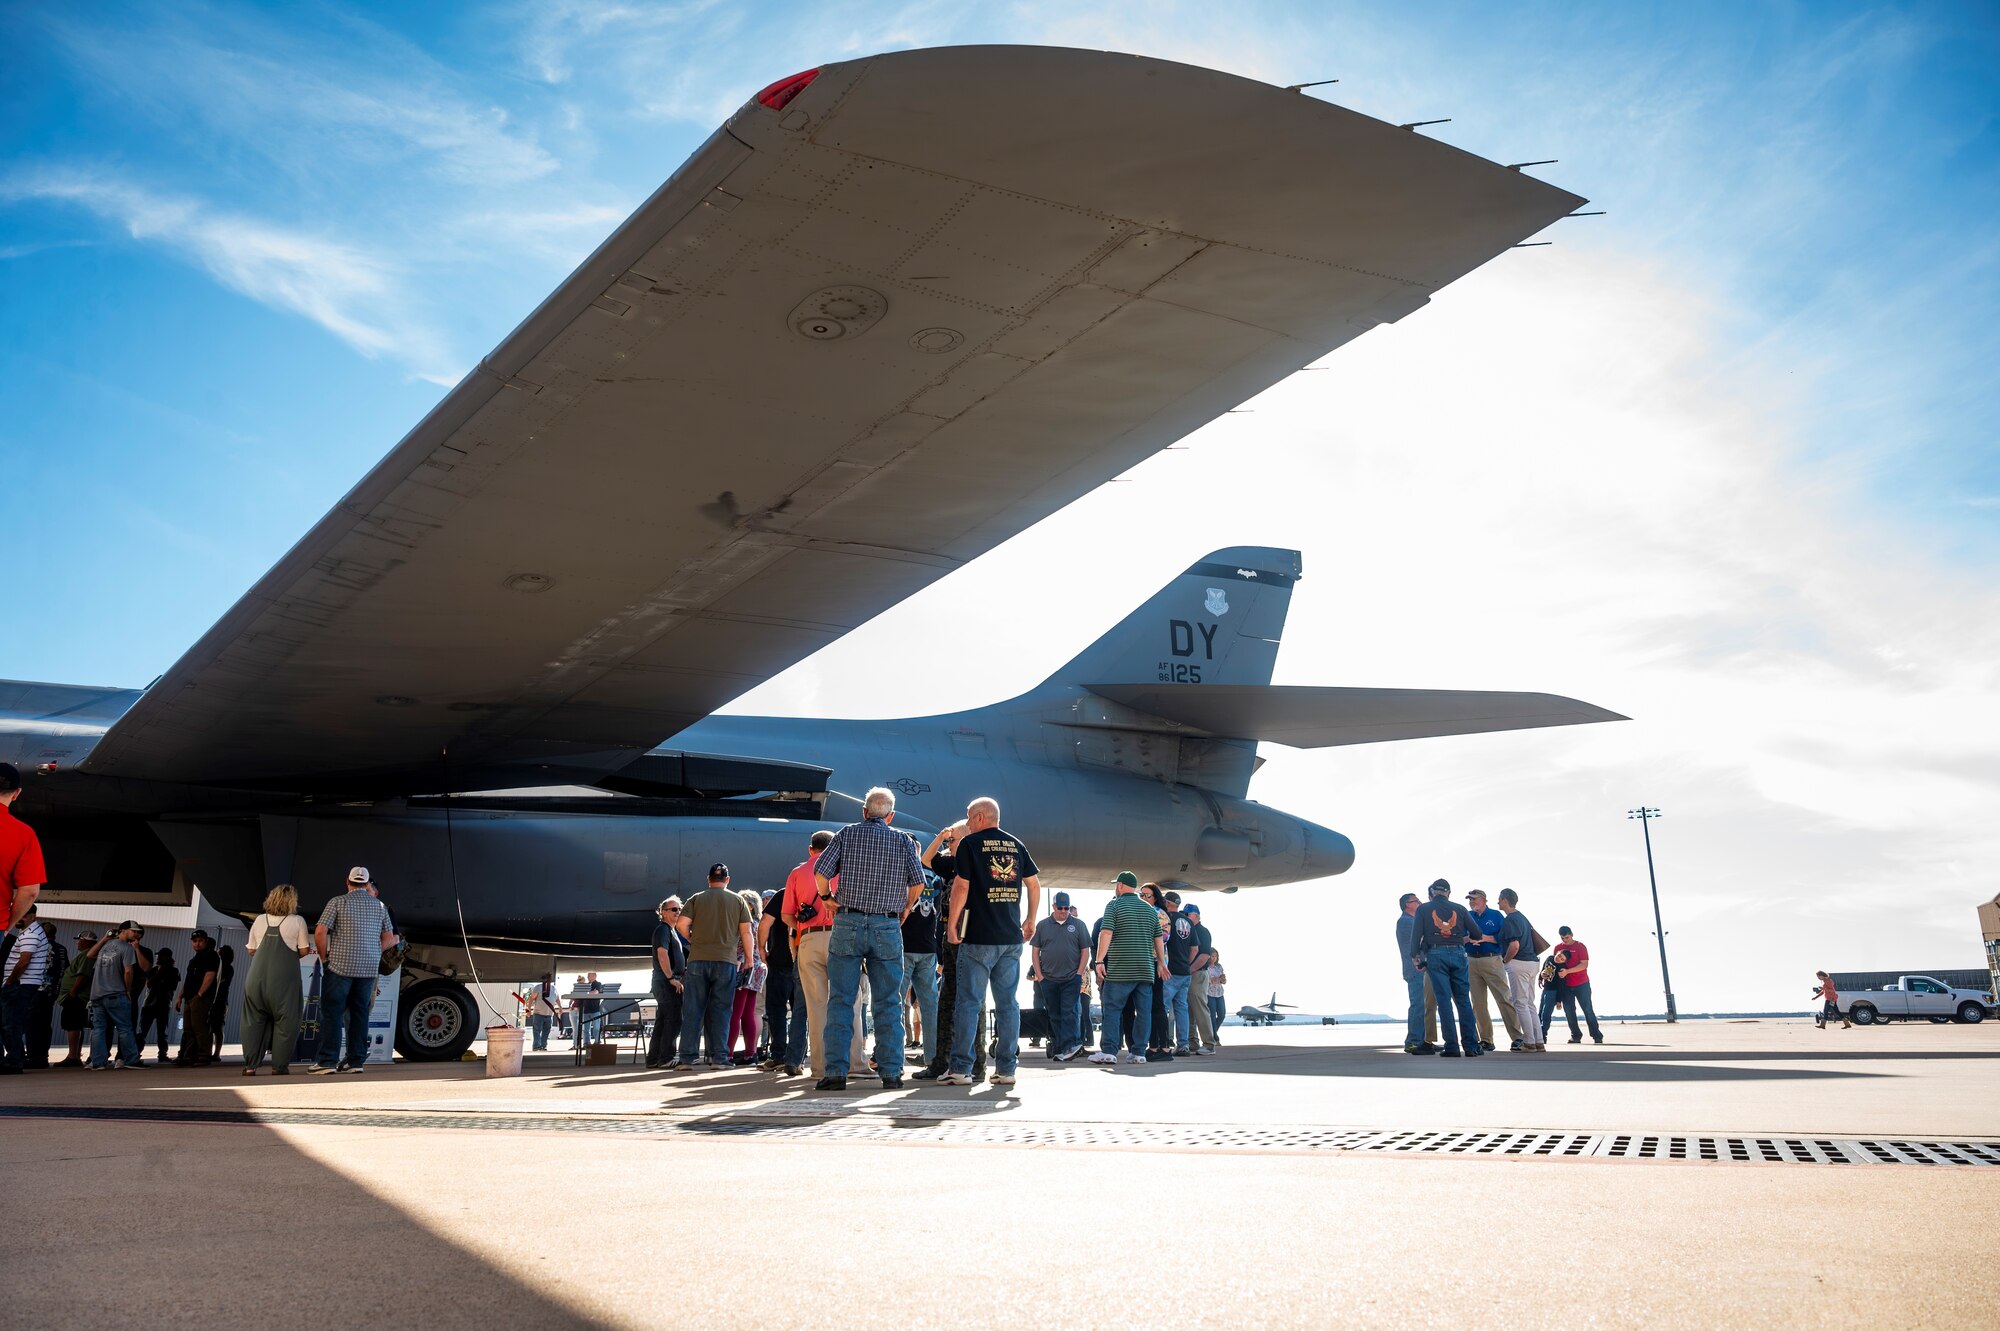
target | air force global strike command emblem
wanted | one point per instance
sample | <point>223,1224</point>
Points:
<point>1217,603</point>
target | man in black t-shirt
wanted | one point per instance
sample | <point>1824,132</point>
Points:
<point>784,998</point>
<point>197,995</point>
<point>985,920</point>
<point>939,859</point>
<point>669,969</point>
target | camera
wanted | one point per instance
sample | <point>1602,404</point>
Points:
<point>807,913</point>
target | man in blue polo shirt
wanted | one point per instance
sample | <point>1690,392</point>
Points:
<point>1489,971</point>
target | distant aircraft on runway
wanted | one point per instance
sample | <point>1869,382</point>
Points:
<point>894,312</point>
<point>1267,1015</point>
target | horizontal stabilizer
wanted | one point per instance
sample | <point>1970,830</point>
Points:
<point>1305,717</point>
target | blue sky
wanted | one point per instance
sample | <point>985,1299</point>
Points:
<point>1747,417</point>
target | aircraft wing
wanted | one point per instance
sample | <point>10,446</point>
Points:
<point>1304,717</point>
<point>883,319</point>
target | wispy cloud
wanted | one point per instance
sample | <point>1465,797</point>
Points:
<point>697,61</point>
<point>37,247</point>
<point>365,97</point>
<point>352,294</point>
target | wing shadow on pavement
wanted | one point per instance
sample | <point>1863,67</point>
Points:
<point>221,1224</point>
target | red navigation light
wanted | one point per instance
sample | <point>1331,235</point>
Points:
<point>779,95</point>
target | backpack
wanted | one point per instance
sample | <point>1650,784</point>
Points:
<point>58,963</point>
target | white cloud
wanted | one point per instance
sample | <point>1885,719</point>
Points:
<point>352,294</point>
<point>1562,476</point>
<point>311,106</point>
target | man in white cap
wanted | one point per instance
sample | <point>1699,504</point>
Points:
<point>350,936</point>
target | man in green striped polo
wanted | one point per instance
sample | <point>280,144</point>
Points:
<point>1129,963</point>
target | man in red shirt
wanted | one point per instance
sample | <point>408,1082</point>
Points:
<point>1572,961</point>
<point>809,940</point>
<point>21,871</point>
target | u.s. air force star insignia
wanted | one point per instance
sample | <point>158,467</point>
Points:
<point>1217,603</point>
<point>1003,869</point>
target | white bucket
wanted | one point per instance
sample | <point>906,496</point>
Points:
<point>503,1051</point>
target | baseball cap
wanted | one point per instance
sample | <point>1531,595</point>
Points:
<point>1061,901</point>
<point>1128,879</point>
<point>123,925</point>
<point>1190,909</point>
<point>10,778</point>
<point>718,870</point>
<point>202,934</point>
<point>1564,931</point>
<point>1440,888</point>
<point>358,874</point>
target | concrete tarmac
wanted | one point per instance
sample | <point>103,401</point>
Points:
<point>1203,1191</point>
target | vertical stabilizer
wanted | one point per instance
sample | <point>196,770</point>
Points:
<point>1217,623</point>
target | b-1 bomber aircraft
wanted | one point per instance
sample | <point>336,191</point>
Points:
<point>895,311</point>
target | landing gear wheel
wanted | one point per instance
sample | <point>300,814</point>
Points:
<point>435,1021</point>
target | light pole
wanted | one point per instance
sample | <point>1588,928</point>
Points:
<point>1646,817</point>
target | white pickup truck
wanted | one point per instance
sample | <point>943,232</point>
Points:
<point>1915,997</point>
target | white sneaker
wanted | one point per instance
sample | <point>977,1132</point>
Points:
<point>955,1079</point>
<point>1129,1057</point>
<point>321,1070</point>
<point>1101,1057</point>
<point>1003,1079</point>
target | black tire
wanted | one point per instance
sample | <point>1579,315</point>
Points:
<point>1971,1013</point>
<point>1864,1015</point>
<point>435,1021</point>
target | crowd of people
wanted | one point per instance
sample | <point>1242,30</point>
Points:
<point>1455,957</point>
<point>114,994</point>
<point>874,932</point>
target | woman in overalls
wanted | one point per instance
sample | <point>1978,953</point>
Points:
<point>273,1000</point>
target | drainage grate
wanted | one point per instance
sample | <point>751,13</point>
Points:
<point>921,1126</point>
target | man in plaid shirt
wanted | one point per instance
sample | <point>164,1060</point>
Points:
<point>880,879</point>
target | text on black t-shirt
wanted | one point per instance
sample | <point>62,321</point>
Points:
<point>995,865</point>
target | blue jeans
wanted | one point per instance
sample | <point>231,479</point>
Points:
<point>785,1015</point>
<point>105,1014</point>
<point>876,942</point>
<point>1177,1009</point>
<point>1569,996</point>
<point>540,1025</point>
<point>1116,992</point>
<point>1216,1012</point>
<point>348,996</point>
<point>1414,1034</point>
<point>920,973</point>
<point>981,964</point>
<point>1059,1001</point>
<point>709,993</point>
<point>1451,983</point>
<point>17,1012</point>
<point>592,1027</point>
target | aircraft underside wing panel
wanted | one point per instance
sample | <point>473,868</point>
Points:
<point>1306,717</point>
<point>857,340</point>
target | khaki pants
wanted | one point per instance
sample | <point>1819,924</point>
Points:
<point>1489,975</point>
<point>1204,1026</point>
<point>811,953</point>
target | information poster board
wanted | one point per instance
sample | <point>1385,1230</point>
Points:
<point>381,1017</point>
